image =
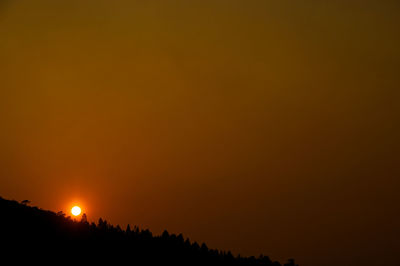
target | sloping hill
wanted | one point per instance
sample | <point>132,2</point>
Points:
<point>36,235</point>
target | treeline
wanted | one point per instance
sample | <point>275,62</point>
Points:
<point>55,238</point>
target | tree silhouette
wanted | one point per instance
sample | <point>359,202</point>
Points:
<point>57,237</point>
<point>290,263</point>
<point>84,219</point>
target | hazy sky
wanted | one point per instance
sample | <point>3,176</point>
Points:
<point>256,126</point>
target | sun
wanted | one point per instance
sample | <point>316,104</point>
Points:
<point>76,210</point>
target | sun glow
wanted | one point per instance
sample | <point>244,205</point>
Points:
<point>76,210</point>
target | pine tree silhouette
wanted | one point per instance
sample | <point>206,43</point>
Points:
<point>52,238</point>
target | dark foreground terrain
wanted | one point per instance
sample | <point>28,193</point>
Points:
<point>32,235</point>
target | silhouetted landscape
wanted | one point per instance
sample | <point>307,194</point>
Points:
<point>256,127</point>
<point>47,235</point>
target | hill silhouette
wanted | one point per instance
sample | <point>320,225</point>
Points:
<point>36,235</point>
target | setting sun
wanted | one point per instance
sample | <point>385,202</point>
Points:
<point>76,210</point>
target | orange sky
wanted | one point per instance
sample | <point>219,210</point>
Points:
<point>256,126</point>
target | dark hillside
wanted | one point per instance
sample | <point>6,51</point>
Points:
<point>32,234</point>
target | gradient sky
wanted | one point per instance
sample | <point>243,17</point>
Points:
<point>252,125</point>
